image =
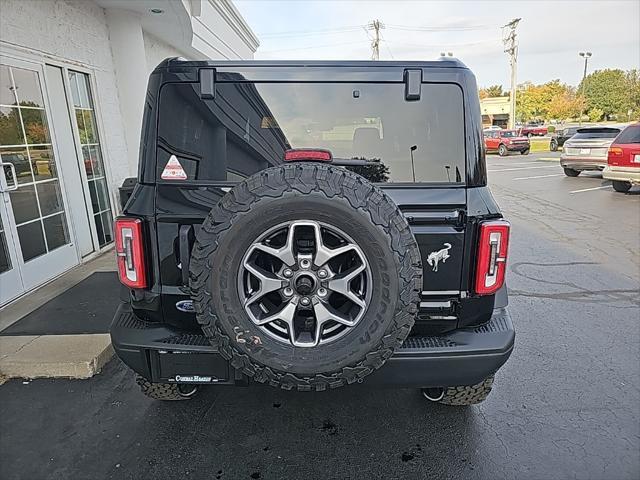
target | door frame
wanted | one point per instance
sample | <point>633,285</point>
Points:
<point>56,258</point>
<point>33,56</point>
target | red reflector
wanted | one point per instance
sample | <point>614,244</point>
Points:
<point>129,251</point>
<point>491,262</point>
<point>302,154</point>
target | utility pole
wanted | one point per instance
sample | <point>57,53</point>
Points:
<point>586,56</point>
<point>509,39</point>
<point>376,26</point>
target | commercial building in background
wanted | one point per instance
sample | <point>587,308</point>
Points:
<point>495,111</point>
<point>73,78</point>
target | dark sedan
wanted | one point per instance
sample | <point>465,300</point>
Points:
<point>561,136</point>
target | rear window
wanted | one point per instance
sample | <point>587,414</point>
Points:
<point>585,133</point>
<point>509,133</point>
<point>249,126</point>
<point>629,135</point>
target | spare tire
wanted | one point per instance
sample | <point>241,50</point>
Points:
<point>306,276</point>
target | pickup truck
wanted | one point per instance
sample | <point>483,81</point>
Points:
<point>533,131</point>
<point>312,225</point>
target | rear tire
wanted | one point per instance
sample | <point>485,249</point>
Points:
<point>502,151</point>
<point>166,391</point>
<point>570,172</point>
<point>553,146</point>
<point>622,187</point>
<point>461,396</point>
<point>525,152</point>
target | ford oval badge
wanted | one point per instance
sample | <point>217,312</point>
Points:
<point>185,306</point>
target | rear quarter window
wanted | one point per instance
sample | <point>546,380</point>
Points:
<point>629,135</point>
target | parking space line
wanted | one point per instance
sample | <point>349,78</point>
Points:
<point>589,189</point>
<point>540,176</point>
<point>521,168</point>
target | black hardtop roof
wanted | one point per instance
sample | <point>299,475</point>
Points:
<point>444,62</point>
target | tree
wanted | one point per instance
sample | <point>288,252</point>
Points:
<point>608,91</point>
<point>633,86</point>
<point>495,91</point>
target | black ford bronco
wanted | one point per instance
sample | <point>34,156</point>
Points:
<point>309,225</point>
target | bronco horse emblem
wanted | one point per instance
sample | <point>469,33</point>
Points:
<point>439,255</point>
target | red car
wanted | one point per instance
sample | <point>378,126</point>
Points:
<point>533,131</point>
<point>505,141</point>
<point>623,160</point>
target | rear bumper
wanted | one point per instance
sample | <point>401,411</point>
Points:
<point>464,357</point>
<point>583,163</point>
<point>622,174</point>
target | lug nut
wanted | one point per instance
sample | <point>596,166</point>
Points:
<point>322,292</point>
<point>288,291</point>
<point>288,273</point>
<point>305,301</point>
<point>305,263</point>
<point>322,273</point>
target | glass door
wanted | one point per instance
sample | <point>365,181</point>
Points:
<point>35,226</point>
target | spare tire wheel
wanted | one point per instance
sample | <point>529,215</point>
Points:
<point>306,276</point>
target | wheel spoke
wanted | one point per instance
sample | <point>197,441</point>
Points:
<point>269,282</point>
<point>341,284</point>
<point>324,254</point>
<point>284,253</point>
<point>286,314</point>
<point>325,312</point>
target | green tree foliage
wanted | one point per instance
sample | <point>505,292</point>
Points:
<point>613,92</point>
<point>552,100</point>
<point>495,91</point>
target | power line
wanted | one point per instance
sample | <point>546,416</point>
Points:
<point>325,31</point>
<point>426,28</point>
<point>311,47</point>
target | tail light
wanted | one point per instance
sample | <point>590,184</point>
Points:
<point>129,251</point>
<point>307,154</point>
<point>492,256</point>
<point>614,155</point>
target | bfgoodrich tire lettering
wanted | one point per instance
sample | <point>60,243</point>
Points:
<point>317,193</point>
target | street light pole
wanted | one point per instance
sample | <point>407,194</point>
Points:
<point>586,56</point>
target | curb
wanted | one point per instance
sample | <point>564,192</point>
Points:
<point>54,356</point>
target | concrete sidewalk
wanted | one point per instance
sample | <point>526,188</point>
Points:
<point>67,356</point>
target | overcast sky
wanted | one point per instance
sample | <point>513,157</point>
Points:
<point>550,34</point>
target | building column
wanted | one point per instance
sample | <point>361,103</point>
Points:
<point>127,49</point>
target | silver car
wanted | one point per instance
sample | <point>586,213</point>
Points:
<point>587,149</point>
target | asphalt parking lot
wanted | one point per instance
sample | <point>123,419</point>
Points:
<point>566,405</point>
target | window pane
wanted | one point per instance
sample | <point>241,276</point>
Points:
<point>6,88</point>
<point>107,226</point>
<point>88,161</point>
<point>73,82</point>
<point>55,229</point>
<point>81,128</point>
<point>89,126</point>
<point>10,130</point>
<point>31,240</point>
<point>83,89</point>
<point>50,197</point>
<point>5,261</point>
<point>19,157</point>
<point>35,125</point>
<point>101,191</point>
<point>27,87</point>
<point>100,230</point>
<point>24,204</point>
<point>43,163</point>
<point>94,196</point>
<point>97,163</point>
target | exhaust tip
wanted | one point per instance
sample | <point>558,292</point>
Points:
<point>434,394</point>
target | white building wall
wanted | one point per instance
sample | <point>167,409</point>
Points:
<point>156,50</point>
<point>74,31</point>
